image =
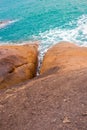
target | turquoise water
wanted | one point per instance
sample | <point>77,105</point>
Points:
<point>48,21</point>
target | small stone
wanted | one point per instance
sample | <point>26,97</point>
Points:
<point>66,120</point>
<point>53,121</point>
<point>84,114</point>
<point>65,100</point>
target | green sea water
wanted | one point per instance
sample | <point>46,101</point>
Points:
<point>48,21</point>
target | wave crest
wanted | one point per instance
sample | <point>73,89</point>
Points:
<point>5,23</point>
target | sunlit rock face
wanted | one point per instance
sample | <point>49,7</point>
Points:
<point>66,56</point>
<point>17,63</point>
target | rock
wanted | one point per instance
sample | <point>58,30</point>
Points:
<point>17,63</point>
<point>66,56</point>
<point>51,101</point>
<point>66,120</point>
<point>40,105</point>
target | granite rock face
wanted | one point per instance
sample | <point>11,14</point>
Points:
<point>51,101</point>
<point>17,63</point>
<point>66,56</point>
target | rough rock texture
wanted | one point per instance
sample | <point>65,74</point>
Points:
<point>52,101</point>
<point>17,63</point>
<point>66,56</point>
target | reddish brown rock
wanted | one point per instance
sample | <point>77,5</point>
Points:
<point>66,56</point>
<point>52,101</point>
<point>17,63</point>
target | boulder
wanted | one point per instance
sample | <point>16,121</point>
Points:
<point>17,63</point>
<point>66,56</point>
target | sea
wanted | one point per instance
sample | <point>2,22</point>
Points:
<point>46,21</point>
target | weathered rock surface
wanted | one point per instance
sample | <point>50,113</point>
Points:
<point>17,63</point>
<point>66,56</point>
<point>52,101</point>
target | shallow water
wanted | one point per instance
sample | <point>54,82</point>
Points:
<point>48,21</point>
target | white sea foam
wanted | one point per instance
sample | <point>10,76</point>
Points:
<point>76,34</point>
<point>5,23</point>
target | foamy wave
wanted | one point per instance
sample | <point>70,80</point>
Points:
<point>77,33</point>
<point>5,23</point>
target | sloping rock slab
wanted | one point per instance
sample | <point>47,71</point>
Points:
<point>56,100</point>
<point>49,102</point>
<point>17,63</point>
